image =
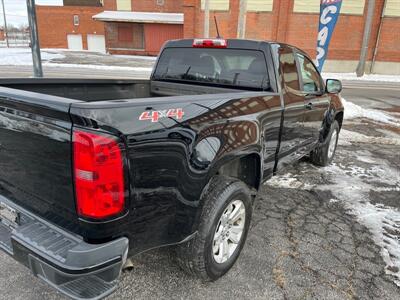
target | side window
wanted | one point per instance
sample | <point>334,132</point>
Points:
<point>310,76</point>
<point>288,67</point>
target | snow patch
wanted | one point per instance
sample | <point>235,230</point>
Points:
<point>97,67</point>
<point>23,56</point>
<point>352,111</point>
<point>348,137</point>
<point>287,181</point>
<point>352,186</point>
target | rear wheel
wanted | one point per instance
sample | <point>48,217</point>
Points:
<point>222,232</point>
<point>323,155</point>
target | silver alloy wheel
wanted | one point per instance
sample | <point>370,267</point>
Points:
<point>229,231</point>
<point>332,144</point>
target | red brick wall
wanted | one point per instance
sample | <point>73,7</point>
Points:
<point>110,5</point>
<point>170,6</point>
<point>300,29</point>
<point>389,42</point>
<point>55,22</point>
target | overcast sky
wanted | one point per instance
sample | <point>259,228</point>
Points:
<point>16,10</point>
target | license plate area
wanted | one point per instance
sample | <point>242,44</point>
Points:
<point>9,216</point>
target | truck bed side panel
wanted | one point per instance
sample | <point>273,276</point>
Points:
<point>171,159</point>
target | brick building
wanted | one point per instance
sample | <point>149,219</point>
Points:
<point>141,27</point>
<point>71,26</point>
<point>296,22</point>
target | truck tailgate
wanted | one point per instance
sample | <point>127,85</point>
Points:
<point>35,155</point>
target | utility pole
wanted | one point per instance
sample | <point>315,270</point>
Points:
<point>378,37</point>
<point>206,18</point>
<point>367,34</point>
<point>5,23</point>
<point>241,32</point>
<point>36,57</point>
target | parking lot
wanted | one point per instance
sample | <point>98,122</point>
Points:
<point>321,233</point>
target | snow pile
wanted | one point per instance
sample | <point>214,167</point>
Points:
<point>369,77</point>
<point>347,137</point>
<point>150,58</point>
<point>353,111</point>
<point>23,56</point>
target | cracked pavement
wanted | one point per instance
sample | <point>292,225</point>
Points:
<point>311,236</point>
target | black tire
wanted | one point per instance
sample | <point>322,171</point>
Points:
<point>321,155</point>
<point>196,256</point>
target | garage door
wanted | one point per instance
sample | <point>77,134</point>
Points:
<point>75,42</point>
<point>96,43</point>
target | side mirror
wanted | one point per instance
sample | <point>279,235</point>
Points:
<point>333,86</point>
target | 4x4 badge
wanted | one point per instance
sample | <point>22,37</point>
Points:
<point>156,115</point>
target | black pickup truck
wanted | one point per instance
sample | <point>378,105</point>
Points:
<point>93,172</point>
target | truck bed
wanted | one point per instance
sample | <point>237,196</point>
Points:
<point>92,90</point>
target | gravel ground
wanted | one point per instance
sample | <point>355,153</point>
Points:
<point>310,237</point>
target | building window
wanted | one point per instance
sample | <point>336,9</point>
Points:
<point>130,36</point>
<point>392,8</point>
<point>160,2</point>
<point>216,4</point>
<point>76,20</point>
<point>354,7</point>
<point>124,5</point>
<point>260,5</point>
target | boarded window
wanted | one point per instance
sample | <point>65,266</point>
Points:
<point>216,4</point>
<point>260,5</point>
<point>392,8</point>
<point>124,5</point>
<point>355,7</point>
<point>125,34</point>
<point>130,36</point>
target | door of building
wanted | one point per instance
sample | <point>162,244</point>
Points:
<point>75,42</point>
<point>96,43</point>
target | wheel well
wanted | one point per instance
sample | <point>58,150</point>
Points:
<point>246,169</point>
<point>339,118</point>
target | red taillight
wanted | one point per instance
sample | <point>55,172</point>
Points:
<point>99,175</point>
<point>210,43</point>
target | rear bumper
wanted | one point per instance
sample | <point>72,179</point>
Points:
<point>67,263</point>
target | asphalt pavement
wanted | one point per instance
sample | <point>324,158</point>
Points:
<point>310,237</point>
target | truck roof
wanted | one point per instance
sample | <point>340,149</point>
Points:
<point>232,43</point>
